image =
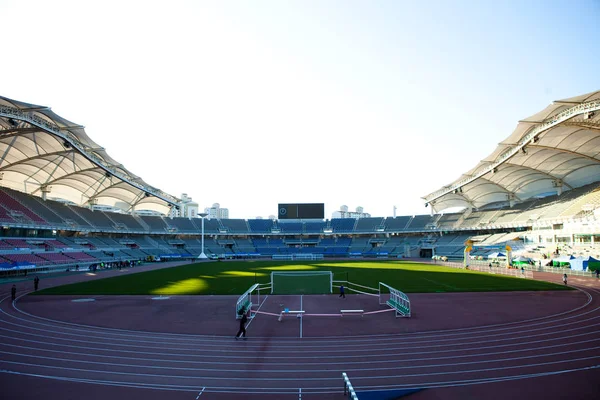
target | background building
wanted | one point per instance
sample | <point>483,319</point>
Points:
<point>187,208</point>
<point>216,212</point>
<point>344,213</point>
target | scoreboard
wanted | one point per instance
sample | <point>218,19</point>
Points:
<point>301,211</point>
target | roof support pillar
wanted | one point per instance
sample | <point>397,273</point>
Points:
<point>558,184</point>
<point>511,199</point>
<point>45,189</point>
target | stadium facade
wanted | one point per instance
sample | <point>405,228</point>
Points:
<point>539,190</point>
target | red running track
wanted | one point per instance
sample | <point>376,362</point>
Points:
<point>497,346</point>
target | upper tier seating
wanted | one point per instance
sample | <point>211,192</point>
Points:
<point>419,222</point>
<point>4,217</point>
<point>184,225</point>
<point>37,205</point>
<point>290,227</point>
<point>126,221</point>
<point>235,225</point>
<point>340,225</point>
<point>397,224</point>
<point>210,225</point>
<point>97,219</point>
<point>70,217</point>
<point>260,225</point>
<point>369,224</point>
<point>447,221</point>
<point>156,224</point>
<point>314,227</point>
<point>16,207</point>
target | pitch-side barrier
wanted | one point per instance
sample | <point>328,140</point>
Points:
<point>516,272</point>
<point>348,389</point>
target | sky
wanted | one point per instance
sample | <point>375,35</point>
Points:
<point>253,103</point>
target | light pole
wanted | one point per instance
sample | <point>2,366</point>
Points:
<point>202,255</point>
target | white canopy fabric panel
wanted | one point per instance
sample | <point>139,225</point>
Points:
<point>558,148</point>
<point>43,153</point>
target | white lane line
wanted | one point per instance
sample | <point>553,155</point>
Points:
<point>413,345</point>
<point>438,340</point>
<point>299,393</point>
<point>213,389</point>
<point>316,390</point>
<point>312,370</point>
<point>440,343</point>
<point>317,364</point>
<point>459,331</point>
<point>334,378</point>
<point>301,309</point>
<point>200,394</point>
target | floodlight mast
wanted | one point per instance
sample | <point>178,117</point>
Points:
<point>202,255</point>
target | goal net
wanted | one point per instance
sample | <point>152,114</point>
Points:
<point>301,282</point>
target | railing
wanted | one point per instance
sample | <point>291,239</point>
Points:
<point>484,266</point>
<point>348,389</point>
<point>568,271</point>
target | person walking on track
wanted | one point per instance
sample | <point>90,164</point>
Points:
<point>36,283</point>
<point>342,294</point>
<point>242,330</point>
<point>13,291</point>
<point>565,279</point>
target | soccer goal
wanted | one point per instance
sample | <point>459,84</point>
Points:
<point>395,299</point>
<point>244,302</point>
<point>301,282</point>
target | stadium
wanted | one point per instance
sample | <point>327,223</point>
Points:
<point>530,210</point>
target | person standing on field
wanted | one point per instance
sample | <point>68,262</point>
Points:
<point>242,330</point>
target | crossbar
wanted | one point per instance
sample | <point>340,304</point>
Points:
<point>361,312</point>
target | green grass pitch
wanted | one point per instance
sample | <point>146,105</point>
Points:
<point>234,278</point>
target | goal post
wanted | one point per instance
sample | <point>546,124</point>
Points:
<point>395,299</point>
<point>301,282</point>
<point>244,302</point>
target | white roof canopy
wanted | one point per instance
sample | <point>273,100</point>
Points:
<point>42,153</point>
<point>558,147</point>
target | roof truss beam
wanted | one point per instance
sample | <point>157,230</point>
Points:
<point>551,122</point>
